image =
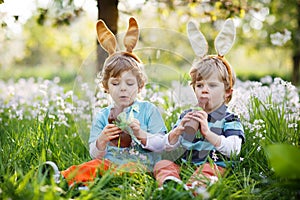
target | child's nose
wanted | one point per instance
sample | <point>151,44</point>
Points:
<point>123,86</point>
<point>205,88</point>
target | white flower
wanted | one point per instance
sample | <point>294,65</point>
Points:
<point>279,39</point>
<point>258,148</point>
<point>213,179</point>
<point>266,80</point>
<point>214,156</point>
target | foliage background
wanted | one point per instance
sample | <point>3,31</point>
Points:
<point>68,37</point>
<point>43,90</point>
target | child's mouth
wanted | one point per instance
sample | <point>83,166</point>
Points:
<point>124,97</point>
<point>202,102</point>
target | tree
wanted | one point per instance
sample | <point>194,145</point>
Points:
<point>277,18</point>
<point>108,12</point>
<point>282,20</point>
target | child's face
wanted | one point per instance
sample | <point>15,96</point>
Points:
<point>123,89</point>
<point>211,93</point>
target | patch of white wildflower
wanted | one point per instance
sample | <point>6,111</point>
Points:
<point>30,99</point>
<point>279,93</point>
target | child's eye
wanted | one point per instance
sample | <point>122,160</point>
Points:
<point>130,83</point>
<point>199,85</point>
<point>115,83</point>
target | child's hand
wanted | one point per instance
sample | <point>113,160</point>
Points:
<point>201,117</point>
<point>213,138</point>
<point>187,117</point>
<point>137,131</point>
<point>110,132</point>
<point>176,132</point>
<point>135,126</point>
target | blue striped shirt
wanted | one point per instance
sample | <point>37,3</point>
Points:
<point>198,149</point>
<point>150,121</point>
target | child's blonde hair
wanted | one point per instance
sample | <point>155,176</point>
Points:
<point>120,62</point>
<point>209,65</point>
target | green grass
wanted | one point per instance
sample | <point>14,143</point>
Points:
<point>27,143</point>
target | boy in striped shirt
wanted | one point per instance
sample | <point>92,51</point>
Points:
<point>220,134</point>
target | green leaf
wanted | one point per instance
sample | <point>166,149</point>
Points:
<point>123,123</point>
<point>197,108</point>
<point>284,159</point>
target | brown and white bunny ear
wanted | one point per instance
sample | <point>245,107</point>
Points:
<point>132,35</point>
<point>197,40</point>
<point>106,38</point>
<point>225,39</point>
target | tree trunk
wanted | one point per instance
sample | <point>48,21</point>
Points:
<point>108,12</point>
<point>296,56</point>
<point>296,72</point>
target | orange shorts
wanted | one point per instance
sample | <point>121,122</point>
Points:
<point>87,172</point>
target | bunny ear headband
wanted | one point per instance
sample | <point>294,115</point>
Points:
<point>223,42</point>
<point>108,40</point>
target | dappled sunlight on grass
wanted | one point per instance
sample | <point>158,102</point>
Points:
<point>41,120</point>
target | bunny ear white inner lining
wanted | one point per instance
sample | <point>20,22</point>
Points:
<point>197,40</point>
<point>225,39</point>
<point>223,42</point>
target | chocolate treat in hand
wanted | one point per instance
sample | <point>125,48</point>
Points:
<point>191,127</point>
<point>124,138</point>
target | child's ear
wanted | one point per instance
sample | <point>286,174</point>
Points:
<point>228,93</point>
<point>106,90</point>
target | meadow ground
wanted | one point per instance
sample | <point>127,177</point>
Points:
<point>41,120</point>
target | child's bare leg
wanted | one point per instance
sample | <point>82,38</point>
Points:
<point>204,174</point>
<point>166,170</point>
